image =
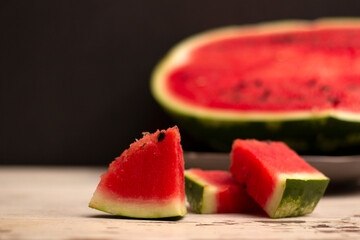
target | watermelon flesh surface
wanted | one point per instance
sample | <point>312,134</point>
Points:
<point>216,192</point>
<point>280,181</point>
<point>312,69</point>
<point>146,180</point>
<point>291,81</point>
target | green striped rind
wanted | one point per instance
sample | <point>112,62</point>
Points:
<point>295,196</point>
<point>136,208</point>
<point>194,194</point>
<point>316,135</point>
<point>200,196</point>
<point>323,132</point>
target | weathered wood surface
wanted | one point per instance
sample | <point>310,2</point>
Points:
<point>51,203</point>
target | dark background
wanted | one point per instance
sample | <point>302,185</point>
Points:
<point>74,75</point>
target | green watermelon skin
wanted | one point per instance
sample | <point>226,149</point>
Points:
<point>332,130</point>
<point>146,180</point>
<point>321,136</point>
<point>280,181</point>
<point>216,191</point>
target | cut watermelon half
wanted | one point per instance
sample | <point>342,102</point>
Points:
<point>293,81</point>
<point>216,192</point>
<point>147,180</point>
<point>280,181</point>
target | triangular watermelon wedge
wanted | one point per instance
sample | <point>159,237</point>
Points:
<point>147,180</point>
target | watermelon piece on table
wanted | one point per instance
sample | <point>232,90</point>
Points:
<point>291,81</point>
<point>216,191</point>
<point>276,177</point>
<point>147,180</point>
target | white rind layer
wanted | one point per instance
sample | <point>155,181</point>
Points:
<point>209,203</point>
<point>138,208</point>
<point>209,199</point>
<point>182,52</point>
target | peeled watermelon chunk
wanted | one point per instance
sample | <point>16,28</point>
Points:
<point>147,180</point>
<point>216,191</point>
<point>276,177</point>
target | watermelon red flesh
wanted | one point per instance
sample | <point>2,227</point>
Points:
<point>312,69</point>
<point>149,160</point>
<point>220,193</point>
<point>281,182</point>
<point>147,180</point>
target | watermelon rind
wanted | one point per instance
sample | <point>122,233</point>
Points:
<point>137,208</point>
<point>296,194</point>
<point>316,132</point>
<point>325,135</point>
<point>200,195</point>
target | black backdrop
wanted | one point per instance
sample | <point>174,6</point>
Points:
<point>74,75</point>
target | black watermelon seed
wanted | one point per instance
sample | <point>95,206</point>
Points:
<point>244,185</point>
<point>334,100</point>
<point>258,82</point>
<point>311,82</point>
<point>325,88</point>
<point>161,136</point>
<point>265,94</point>
<point>268,142</point>
<point>240,85</point>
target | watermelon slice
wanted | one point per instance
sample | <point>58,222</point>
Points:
<point>216,192</point>
<point>147,180</point>
<point>280,181</point>
<point>293,81</point>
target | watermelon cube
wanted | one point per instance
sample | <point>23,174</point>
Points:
<point>276,177</point>
<point>216,192</point>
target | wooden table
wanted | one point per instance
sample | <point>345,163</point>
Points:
<point>51,203</point>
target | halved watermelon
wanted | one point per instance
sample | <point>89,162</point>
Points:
<point>293,81</point>
<point>147,180</point>
<point>216,192</point>
<point>280,181</point>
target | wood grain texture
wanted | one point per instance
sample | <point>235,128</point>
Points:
<point>51,203</point>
